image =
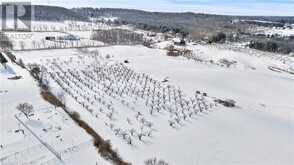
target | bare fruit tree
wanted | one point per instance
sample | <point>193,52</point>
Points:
<point>26,109</point>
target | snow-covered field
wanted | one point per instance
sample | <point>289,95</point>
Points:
<point>146,103</point>
<point>19,135</point>
<point>37,40</point>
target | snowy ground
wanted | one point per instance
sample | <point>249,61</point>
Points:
<point>40,30</point>
<point>259,131</point>
<point>36,40</point>
<point>281,31</point>
<point>51,125</point>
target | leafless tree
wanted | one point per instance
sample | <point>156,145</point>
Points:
<point>26,109</point>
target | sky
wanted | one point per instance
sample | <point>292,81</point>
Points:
<point>225,7</point>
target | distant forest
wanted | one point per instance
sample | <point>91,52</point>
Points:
<point>178,22</point>
<point>197,26</point>
<point>158,21</point>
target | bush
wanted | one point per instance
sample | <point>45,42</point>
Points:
<point>218,38</point>
<point>26,109</point>
<point>51,98</point>
<point>172,51</point>
<point>76,115</point>
<point>154,161</point>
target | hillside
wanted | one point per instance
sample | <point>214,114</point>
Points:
<point>55,13</point>
<point>52,13</point>
<point>187,20</point>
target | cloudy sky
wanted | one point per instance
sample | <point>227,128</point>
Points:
<point>228,7</point>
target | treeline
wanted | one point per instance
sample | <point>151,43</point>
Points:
<point>158,21</point>
<point>272,46</point>
<point>265,23</point>
<point>185,22</point>
<point>54,13</point>
<point>160,28</point>
<point>277,21</point>
<point>118,37</point>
